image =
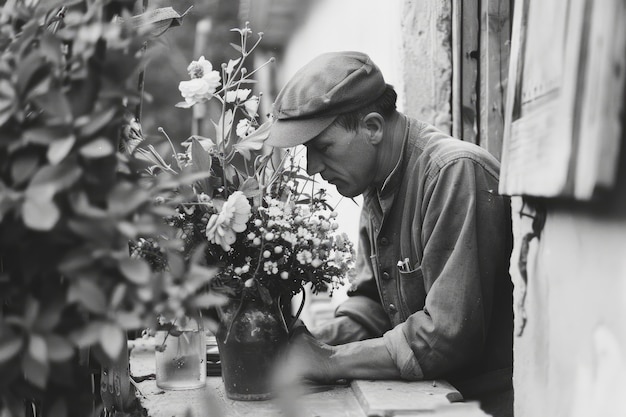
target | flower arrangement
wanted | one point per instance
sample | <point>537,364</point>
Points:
<point>253,212</point>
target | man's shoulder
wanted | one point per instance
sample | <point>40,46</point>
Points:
<point>440,149</point>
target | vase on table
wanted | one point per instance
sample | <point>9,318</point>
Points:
<point>180,354</point>
<point>250,337</point>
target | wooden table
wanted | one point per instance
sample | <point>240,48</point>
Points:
<point>360,398</point>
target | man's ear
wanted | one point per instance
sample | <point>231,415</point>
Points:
<point>374,123</point>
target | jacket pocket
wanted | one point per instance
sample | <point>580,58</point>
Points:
<point>412,292</point>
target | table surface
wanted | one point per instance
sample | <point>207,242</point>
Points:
<point>360,398</point>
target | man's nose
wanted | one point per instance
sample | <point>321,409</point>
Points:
<point>314,163</point>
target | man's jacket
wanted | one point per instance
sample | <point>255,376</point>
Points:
<point>432,266</point>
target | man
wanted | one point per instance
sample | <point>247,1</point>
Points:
<point>433,298</point>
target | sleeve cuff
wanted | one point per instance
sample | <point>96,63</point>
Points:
<point>367,312</point>
<point>402,354</point>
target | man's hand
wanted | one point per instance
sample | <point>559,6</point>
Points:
<point>306,358</point>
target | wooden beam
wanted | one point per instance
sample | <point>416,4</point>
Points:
<point>495,36</point>
<point>470,55</point>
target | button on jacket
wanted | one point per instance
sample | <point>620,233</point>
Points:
<point>432,267</point>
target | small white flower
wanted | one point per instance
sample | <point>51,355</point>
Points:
<point>244,128</point>
<point>252,106</point>
<point>237,95</point>
<point>231,65</point>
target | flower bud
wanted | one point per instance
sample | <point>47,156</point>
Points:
<point>249,283</point>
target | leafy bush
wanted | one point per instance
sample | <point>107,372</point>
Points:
<point>70,202</point>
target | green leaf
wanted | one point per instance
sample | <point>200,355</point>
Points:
<point>49,315</point>
<point>34,371</point>
<point>118,295</point>
<point>155,22</point>
<point>75,260</point>
<point>40,215</point>
<point>237,47</point>
<point>59,348</point>
<point>112,340</point>
<point>55,105</point>
<point>51,179</point>
<point>24,167</point>
<point>59,149</point>
<point>88,294</point>
<point>201,163</point>
<point>176,263</point>
<point>209,299</point>
<point>34,64</point>
<point>125,198</point>
<point>89,125</point>
<point>45,135</point>
<point>8,101</point>
<point>250,187</point>
<point>82,206</point>
<point>265,294</point>
<point>10,345</point>
<point>87,335</point>
<point>37,348</point>
<point>128,320</point>
<point>136,271</point>
<point>98,148</point>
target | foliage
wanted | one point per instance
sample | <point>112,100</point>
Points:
<point>257,216</point>
<point>70,202</point>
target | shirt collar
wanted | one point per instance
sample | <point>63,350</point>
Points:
<point>395,176</point>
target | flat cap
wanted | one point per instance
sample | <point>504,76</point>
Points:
<point>331,84</point>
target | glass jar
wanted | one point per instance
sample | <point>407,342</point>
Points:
<point>180,354</point>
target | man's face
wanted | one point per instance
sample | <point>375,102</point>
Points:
<point>344,158</point>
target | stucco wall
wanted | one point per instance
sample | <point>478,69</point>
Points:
<point>571,358</point>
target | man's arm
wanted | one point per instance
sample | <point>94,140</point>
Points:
<point>311,359</point>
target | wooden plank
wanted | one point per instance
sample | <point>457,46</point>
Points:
<point>384,398</point>
<point>426,88</point>
<point>469,70</point>
<point>495,36</point>
<point>602,98</point>
<point>457,23</point>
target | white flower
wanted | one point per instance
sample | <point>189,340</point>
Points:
<point>200,68</point>
<point>195,91</point>
<point>231,65</point>
<point>240,95</point>
<point>252,106</point>
<point>244,128</point>
<point>222,227</point>
<point>204,82</point>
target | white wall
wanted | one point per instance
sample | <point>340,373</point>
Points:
<point>368,26</point>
